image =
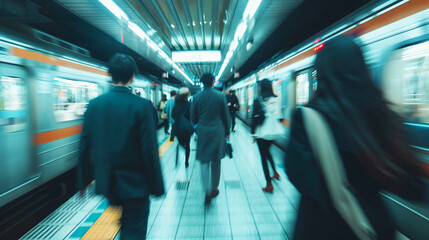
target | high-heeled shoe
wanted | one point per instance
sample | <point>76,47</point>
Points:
<point>269,188</point>
<point>186,164</point>
<point>276,176</point>
<point>214,193</point>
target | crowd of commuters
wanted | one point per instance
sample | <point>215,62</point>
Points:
<point>353,131</point>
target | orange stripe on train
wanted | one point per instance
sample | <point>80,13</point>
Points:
<point>39,57</point>
<point>50,136</point>
<point>403,11</point>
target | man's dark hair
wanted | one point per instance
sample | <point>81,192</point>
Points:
<point>122,67</point>
<point>173,93</point>
<point>207,80</point>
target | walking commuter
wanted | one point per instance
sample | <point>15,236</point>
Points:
<point>209,110</point>
<point>168,109</point>
<point>119,149</point>
<point>265,106</point>
<point>365,139</point>
<point>182,123</point>
<point>233,106</point>
<point>163,116</point>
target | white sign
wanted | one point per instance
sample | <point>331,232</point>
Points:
<point>196,56</point>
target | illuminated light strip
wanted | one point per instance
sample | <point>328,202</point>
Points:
<point>115,9</point>
<point>119,13</point>
<point>250,10</point>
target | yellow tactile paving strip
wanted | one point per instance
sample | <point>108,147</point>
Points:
<point>108,224</point>
<point>164,147</point>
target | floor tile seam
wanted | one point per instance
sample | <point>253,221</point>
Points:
<point>85,217</point>
<point>171,184</point>
<point>253,170</point>
<point>166,154</point>
<point>186,195</point>
<point>227,205</point>
<point>170,187</point>
<point>97,225</point>
<point>269,202</point>
<point>277,184</point>
<point>247,198</point>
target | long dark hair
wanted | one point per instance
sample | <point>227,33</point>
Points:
<point>347,95</point>
<point>266,89</point>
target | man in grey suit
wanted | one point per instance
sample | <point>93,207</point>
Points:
<point>119,149</point>
<point>209,110</point>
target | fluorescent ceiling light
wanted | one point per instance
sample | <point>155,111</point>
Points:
<point>196,56</point>
<point>241,29</point>
<point>251,8</point>
<point>117,11</point>
<point>137,30</point>
<point>234,45</point>
<point>153,45</point>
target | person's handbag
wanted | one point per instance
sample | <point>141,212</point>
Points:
<point>271,128</point>
<point>163,116</point>
<point>228,148</point>
<point>323,144</point>
<point>161,108</point>
<point>259,114</point>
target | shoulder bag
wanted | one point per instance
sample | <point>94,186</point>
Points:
<point>326,152</point>
<point>271,128</point>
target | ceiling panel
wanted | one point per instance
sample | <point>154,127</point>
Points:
<point>186,25</point>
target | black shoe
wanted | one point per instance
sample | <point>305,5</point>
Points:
<point>208,200</point>
<point>171,139</point>
<point>186,164</point>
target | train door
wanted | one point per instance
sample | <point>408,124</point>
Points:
<point>16,165</point>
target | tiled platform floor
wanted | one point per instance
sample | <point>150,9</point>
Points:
<point>241,211</point>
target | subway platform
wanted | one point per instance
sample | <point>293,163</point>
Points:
<point>241,211</point>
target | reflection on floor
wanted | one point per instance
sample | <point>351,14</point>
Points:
<point>241,211</point>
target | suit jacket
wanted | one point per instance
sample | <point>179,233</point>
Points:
<point>119,146</point>
<point>233,100</point>
<point>209,110</point>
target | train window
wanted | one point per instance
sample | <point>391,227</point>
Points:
<point>71,98</point>
<point>139,92</point>
<point>12,94</point>
<point>302,85</point>
<point>13,97</point>
<point>406,82</point>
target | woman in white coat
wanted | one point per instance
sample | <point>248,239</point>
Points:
<point>266,106</point>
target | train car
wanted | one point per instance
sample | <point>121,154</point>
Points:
<point>394,36</point>
<point>45,86</point>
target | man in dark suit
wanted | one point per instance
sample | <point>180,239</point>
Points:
<point>210,112</point>
<point>119,149</point>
